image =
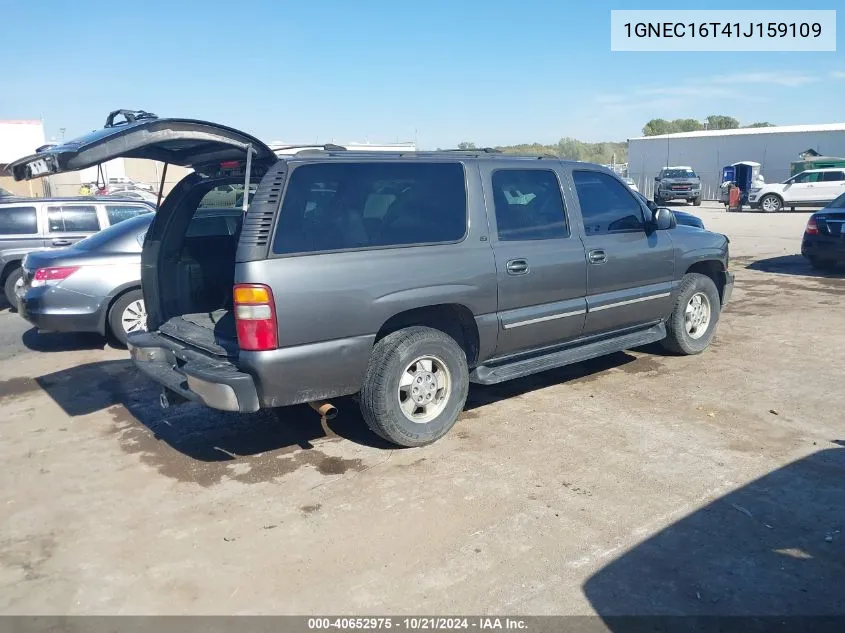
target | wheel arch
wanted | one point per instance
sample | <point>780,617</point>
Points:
<point>453,319</point>
<point>103,322</point>
<point>714,269</point>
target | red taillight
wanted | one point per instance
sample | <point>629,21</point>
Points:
<point>812,228</point>
<point>49,276</point>
<point>255,317</point>
<point>229,164</point>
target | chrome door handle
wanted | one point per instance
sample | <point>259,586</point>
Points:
<point>597,257</point>
<point>61,242</point>
<point>517,267</point>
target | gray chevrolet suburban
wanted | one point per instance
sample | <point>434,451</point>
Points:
<point>397,277</point>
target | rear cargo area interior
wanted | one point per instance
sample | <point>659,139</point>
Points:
<point>198,272</point>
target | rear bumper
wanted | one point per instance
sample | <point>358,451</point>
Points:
<point>728,287</point>
<point>827,247</point>
<point>212,381</point>
<point>54,310</point>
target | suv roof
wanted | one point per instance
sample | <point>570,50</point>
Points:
<point>822,169</point>
<point>677,167</point>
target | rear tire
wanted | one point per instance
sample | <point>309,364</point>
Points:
<point>692,324</point>
<point>9,287</point>
<point>125,314</point>
<point>415,387</point>
<point>822,264</point>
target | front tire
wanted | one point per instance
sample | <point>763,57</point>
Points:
<point>9,287</point>
<point>127,315</point>
<point>692,324</point>
<point>415,387</point>
<point>697,202</point>
<point>770,203</point>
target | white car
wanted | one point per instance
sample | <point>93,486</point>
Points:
<point>811,188</point>
<point>630,182</point>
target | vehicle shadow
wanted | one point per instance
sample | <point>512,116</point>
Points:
<point>209,435</point>
<point>773,548</point>
<point>198,432</point>
<point>481,395</point>
<point>61,341</point>
<point>793,265</point>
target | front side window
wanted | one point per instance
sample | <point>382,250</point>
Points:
<point>18,221</point>
<point>528,205</point>
<point>807,176</point>
<point>118,213</point>
<point>339,206</point>
<point>607,205</point>
<point>72,219</point>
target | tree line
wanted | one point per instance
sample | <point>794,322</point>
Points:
<point>617,151</point>
<point>713,122</point>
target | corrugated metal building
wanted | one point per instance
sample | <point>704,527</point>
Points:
<point>708,151</point>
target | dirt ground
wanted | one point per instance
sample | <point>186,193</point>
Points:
<point>636,483</point>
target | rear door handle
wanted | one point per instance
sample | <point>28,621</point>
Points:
<point>61,242</point>
<point>517,267</point>
<point>597,256</point>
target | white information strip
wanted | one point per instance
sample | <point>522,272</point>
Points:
<point>722,30</point>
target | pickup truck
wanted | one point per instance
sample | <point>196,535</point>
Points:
<point>398,278</point>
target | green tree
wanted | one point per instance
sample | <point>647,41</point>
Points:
<point>687,125</point>
<point>762,124</point>
<point>658,126</point>
<point>466,145</point>
<point>721,122</point>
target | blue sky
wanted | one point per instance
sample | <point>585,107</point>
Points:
<point>440,71</point>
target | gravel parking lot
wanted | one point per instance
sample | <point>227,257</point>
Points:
<point>636,483</point>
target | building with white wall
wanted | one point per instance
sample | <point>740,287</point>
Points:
<point>19,138</point>
<point>708,151</point>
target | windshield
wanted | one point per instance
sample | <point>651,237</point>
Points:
<point>121,238</point>
<point>679,173</point>
<point>838,203</point>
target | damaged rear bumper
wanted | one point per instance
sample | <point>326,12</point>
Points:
<point>212,381</point>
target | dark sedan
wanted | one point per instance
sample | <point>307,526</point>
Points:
<point>824,237</point>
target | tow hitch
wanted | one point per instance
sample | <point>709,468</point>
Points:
<point>168,398</point>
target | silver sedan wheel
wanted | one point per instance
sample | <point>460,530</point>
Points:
<point>134,317</point>
<point>424,389</point>
<point>697,315</point>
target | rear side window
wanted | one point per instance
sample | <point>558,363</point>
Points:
<point>833,176</point>
<point>118,213</point>
<point>607,205</point>
<point>73,219</point>
<point>338,206</point>
<point>528,205</point>
<point>18,221</point>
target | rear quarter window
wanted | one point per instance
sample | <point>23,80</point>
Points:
<point>18,221</point>
<point>342,206</point>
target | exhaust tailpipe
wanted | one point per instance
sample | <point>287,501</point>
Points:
<point>326,409</point>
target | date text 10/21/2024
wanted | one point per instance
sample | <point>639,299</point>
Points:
<point>418,623</point>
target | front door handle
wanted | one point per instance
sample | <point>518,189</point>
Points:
<point>517,267</point>
<point>61,242</point>
<point>597,256</point>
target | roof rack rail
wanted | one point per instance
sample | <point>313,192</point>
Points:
<point>483,150</point>
<point>329,147</point>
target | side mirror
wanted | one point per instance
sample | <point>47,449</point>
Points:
<point>663,219</point>
<point>657,179</point>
